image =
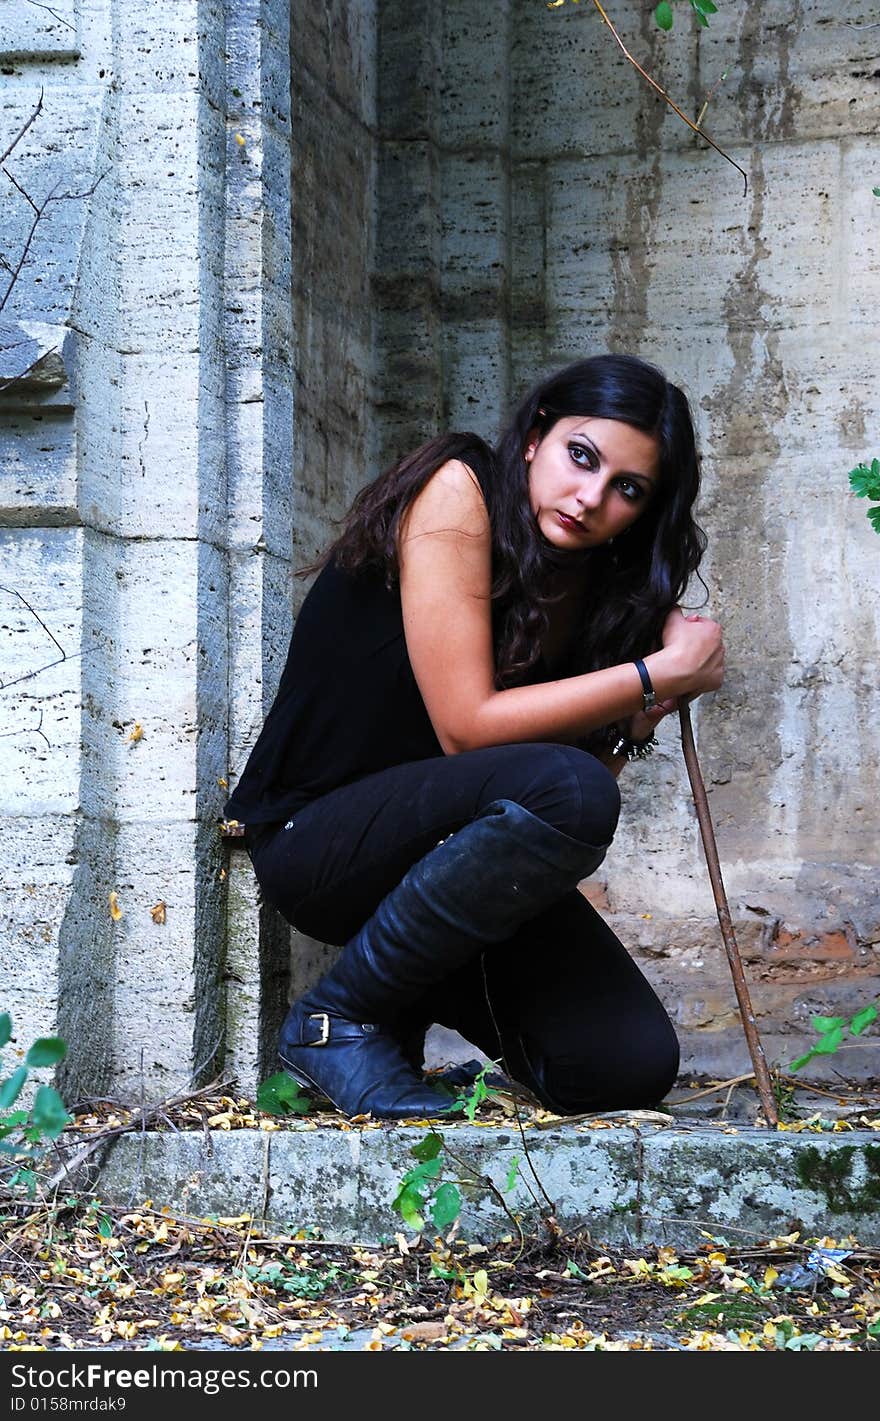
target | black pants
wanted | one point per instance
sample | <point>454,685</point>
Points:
<point>563,985</point>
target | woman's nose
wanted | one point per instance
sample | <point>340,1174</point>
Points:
<point>591,492</point>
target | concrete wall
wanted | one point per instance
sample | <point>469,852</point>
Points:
<point>135,491</point>
<point>457,196</point>
<point>539,203</point>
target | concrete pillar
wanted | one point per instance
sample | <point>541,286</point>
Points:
<point>166,483</point>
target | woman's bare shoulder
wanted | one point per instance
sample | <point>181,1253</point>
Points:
<point>451,501</point>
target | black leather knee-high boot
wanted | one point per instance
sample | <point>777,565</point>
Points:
<point>477,887</point>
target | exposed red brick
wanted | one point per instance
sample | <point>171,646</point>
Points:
<point>836,945</point>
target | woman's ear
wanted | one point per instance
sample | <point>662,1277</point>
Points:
<point>533,439</point>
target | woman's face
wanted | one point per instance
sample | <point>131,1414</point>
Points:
<point>589,479</point>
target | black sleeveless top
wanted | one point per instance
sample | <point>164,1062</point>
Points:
<point>347,704</point>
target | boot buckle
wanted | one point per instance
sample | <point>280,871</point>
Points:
<point>324,1019</point>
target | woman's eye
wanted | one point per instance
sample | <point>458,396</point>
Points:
<point>630,490</point>
<point>584,458</point>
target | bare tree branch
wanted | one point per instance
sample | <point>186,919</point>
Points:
<point>28,730</point>
<point>701,133</point>
<point>4,685</point>
<point>40,211</point>
<point>54,13</point>
<point>23,374</point>
<point>22,131</point>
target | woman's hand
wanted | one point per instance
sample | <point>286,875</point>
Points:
<point>693,654</point>
<point>641,726</point>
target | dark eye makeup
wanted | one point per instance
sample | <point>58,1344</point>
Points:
<point>586,458</point>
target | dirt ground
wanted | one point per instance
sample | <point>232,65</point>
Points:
<point>76,1274</point>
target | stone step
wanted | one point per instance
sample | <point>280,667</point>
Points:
<point>636,1179</point>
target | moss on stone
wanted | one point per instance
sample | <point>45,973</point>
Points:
<point>830,1174</point>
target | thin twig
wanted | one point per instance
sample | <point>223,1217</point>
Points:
<point>40,211</point>
<point>702,114</point>
<point>747,1015</point>
<point>22,131</point>
<point>490,1184</point>
<point>23,374</point>
<point>701,133</point>
<point>713,1089</point>
<point>140,1120</point>
<point>4,685</point>
<point>54,13</point>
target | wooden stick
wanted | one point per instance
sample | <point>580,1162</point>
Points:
<point>701,803</point>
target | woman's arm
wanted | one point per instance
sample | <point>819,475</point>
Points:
<point>445,583</point>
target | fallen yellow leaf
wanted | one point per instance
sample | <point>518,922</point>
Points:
<point>137,733</point>
<point>115,910</point>
<point>157,912</point>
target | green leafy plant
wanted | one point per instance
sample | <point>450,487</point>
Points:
<point>831,1031</point>
<point>422,1189</point>
<point>864,480</point>
<point>480,1091</point>
<point>281,1095</point>
<point>702,9</point>
<point>662,13</point>
<point>285,1276</point>
<point>25,1133</point>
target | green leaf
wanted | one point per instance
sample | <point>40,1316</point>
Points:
<point>828,1044</point>
<point>407,1204</point>
<point>27,1179</point>
<point>48,1114</point>
<point>804,1342</point>
<point>10,1089</point>
<point>574,1271</point>
<point>5,1029</point>
<point>46,1051</point>
<point>454,1275</point>
<point>447,1206</point>
<point>282,1095</point>
<point>874,515</point>
<point>705,8</point>
<point>827,1023</point>
<point>512,1175</point>
<point>11,1122</point>
<point>874,1327</point>
<point>863,1019</point>
<point>663,15</point>
<point>801,1061</point>
<point>428,1148</point>
<point>864,480</point>
<point>876,191</point>
<point>105,1228</point>
<point>428,1169</point>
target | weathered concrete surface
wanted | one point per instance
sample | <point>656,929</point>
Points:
<point>136,478</point>
<point>286,275</point>
<point>539,202</point>
<point>636,1183</point>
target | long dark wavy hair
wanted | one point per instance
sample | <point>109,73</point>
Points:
<point>631,585</point>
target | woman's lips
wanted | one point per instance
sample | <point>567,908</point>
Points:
<point>571,525</point>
